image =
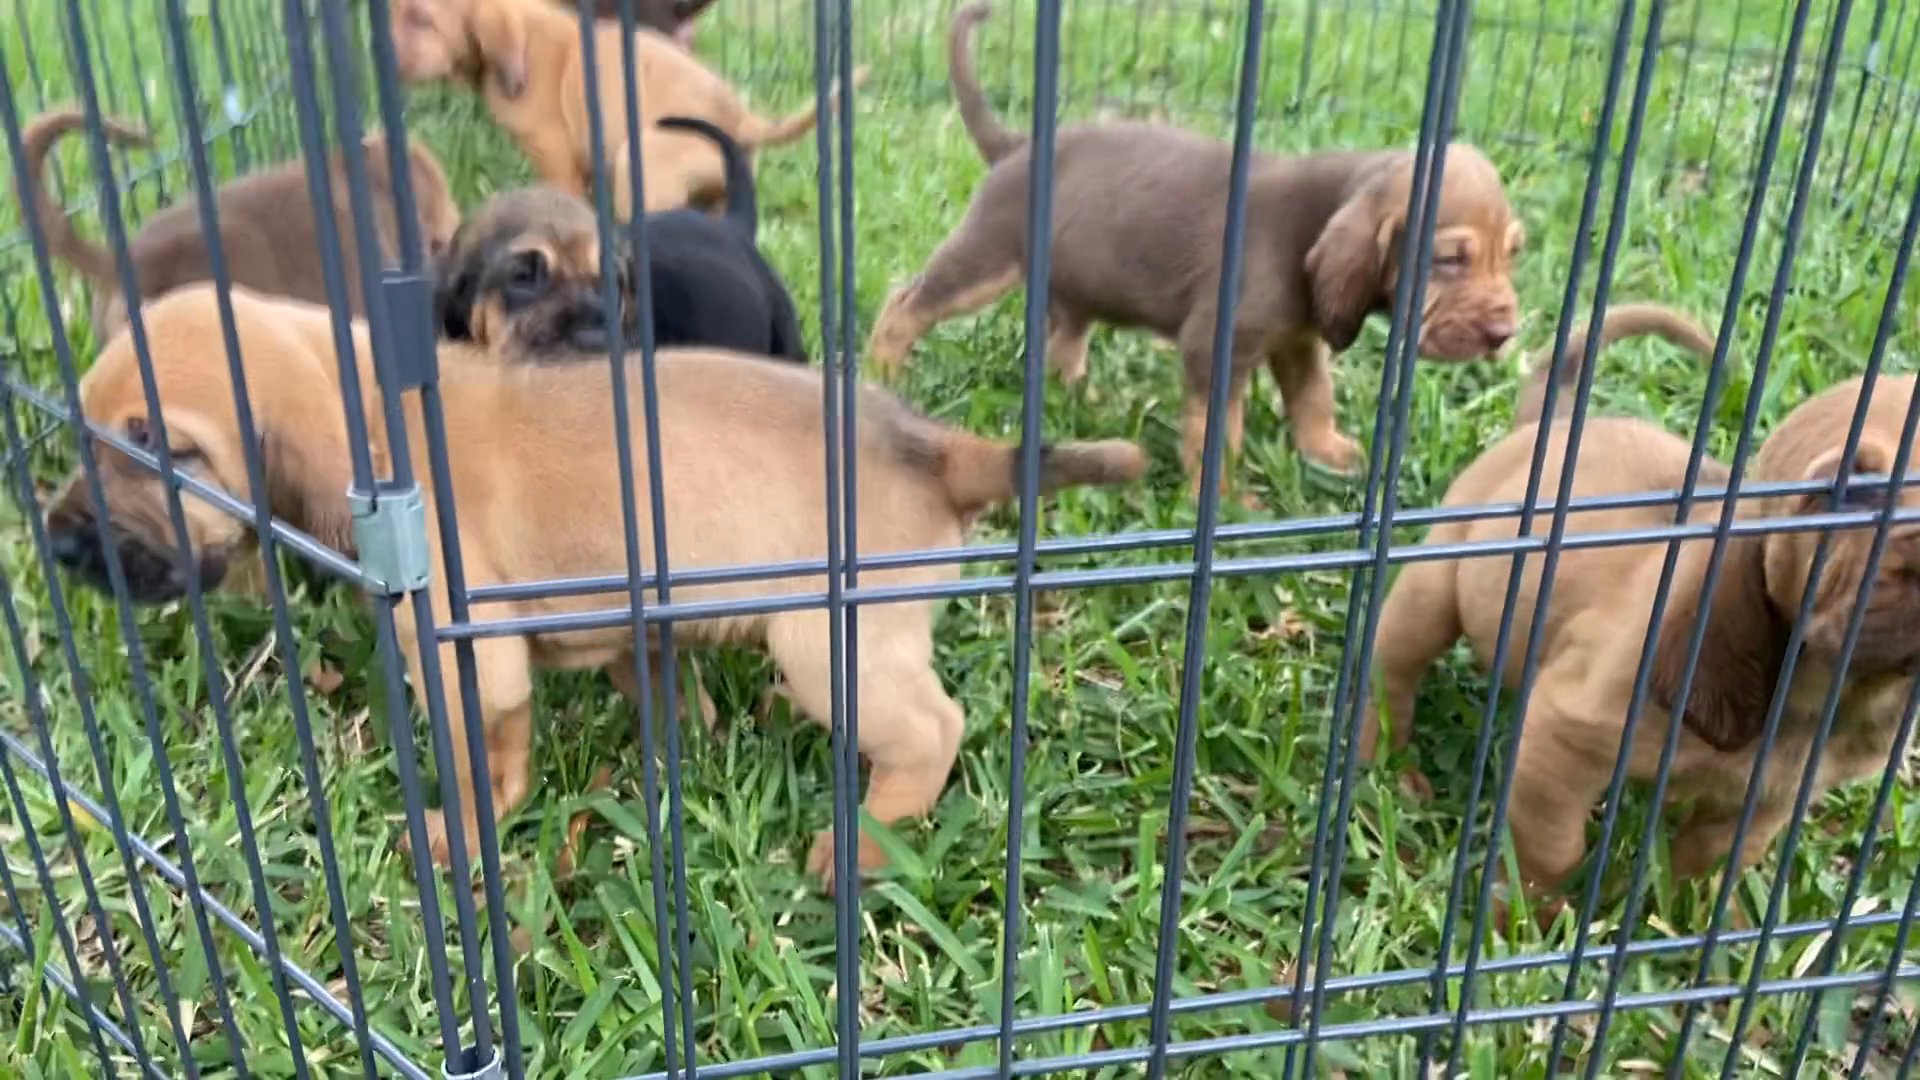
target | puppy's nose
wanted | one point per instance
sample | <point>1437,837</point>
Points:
<point>1497,332</point>
<point>71,546</point>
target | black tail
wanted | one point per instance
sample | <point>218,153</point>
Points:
<point>743,204</point>
<point>1620,321</point>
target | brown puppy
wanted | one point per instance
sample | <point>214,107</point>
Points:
<point>524,58</point>
<point>267,226</point>
<point>1138,221</point>
<point>551,508</point>
<point>1603,598</point>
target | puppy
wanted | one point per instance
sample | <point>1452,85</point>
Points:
<point>524,58</point>
<point>671,17</point>
<point>1603,597</point>
<point>550,507</point>
<point>526,271</point>
<point>1139,216</point>
<point>267,227</point>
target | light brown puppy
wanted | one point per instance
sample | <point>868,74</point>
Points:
<point>1138,223</point>
<point>1602,600</point>
<point>524,57</point>
<point>551,508</point>
<point>267,227</point>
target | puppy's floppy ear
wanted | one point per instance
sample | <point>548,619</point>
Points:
<point>1347,264</point>
<point>500,33</point>
<point>456,288</point>
<point>1887,640</point>
<point>1740,657</point>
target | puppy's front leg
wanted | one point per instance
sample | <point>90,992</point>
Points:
<point>1193,436</point>
<point>1302,369</point>
<point>505,682</point>
<point>1706,834</point>
<point>1555,784</point>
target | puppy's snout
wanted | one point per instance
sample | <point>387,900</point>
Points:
<point>590,330</point>
<point>1497,332</point>
<point>75,544</point>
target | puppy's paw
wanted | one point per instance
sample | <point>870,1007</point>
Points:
<point>1415,785</point>
<point>439,847</point>
<point>1336,453</point>
<point>820,858</point>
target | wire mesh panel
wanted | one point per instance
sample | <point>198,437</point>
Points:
<point>426,653</point>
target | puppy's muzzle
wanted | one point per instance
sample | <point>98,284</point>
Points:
<point>154,572</point>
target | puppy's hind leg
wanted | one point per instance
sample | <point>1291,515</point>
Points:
<point>1067,333</point>
<point>975,267</point>
<point>505,682</point>
<point>1420,621</point>
<point>909,729</point>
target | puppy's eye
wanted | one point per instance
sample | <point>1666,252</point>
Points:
<point>530,269</point>
<point>1452,260</point>
<point>1866,494</point>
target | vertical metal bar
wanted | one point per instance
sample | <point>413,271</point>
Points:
<point>1616,232</point>
<point>843,705</point>
<point>1306,52</point>
<point>1583,243</point>
<point>204,197</point>
<point>1688,45</point>
<point>843,364</point>
<point>1870,1035</point>
<point>359,445</point>
<point>1726,82</point>
<point>30,694</point>
<point>1868,67</point>
<point>1533,69</point>
<point>666,942</point>
<point>1717,370</point>
<point>1881,80</point>
<point>1912,125</point>
<point>223,66</point>
<point>1416,251</point>
<point>341,54</point>
<point>1782,279</point>
<point>129,630</point>
<point>1200,588</point>
<point>1046,71</point>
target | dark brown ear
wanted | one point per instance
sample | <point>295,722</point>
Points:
<point>1346,266</point>
<point>500,33</point>
<point>1740,657</point>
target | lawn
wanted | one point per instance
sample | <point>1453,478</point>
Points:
<point>1107,665</point>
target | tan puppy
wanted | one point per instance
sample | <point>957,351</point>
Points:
<point>524,58</point>
<point>267,227</point>
<point>550,508</point>
<point>1139,219</point>
<point>1602,600</point>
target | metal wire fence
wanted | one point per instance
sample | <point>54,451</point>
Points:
<point>1716,146</point>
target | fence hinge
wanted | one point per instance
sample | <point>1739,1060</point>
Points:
<point>488,1071</point>
<point>390,532</point>
<point>410,315</point>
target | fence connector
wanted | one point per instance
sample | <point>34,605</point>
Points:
<point>488,1071</point>
<point>410,313</point>
<point>390,532</point>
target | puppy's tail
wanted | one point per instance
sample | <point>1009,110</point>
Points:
<point>759,131</point>
<point>994,139</point>
<point>1620,321</point>
<point>979,473</point>
<point>63,241</point>
<point>743,206</point>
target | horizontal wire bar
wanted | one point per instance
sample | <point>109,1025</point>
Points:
<point>147,853</point>
<point>1204,1003</point>
<point>10,939</point>
<point>607,618</point>
<point>319,555</point>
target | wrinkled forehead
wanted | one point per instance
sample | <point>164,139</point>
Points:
<point>1471,193</point>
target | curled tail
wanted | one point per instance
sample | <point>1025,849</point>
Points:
<point>1620,321</point>
<point>63,241</point>
<point>743,205</point>
<point>994,139</point>
<point>759,131</point>
<point>979,473</point>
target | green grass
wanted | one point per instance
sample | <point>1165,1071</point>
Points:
<point>1107,665</point>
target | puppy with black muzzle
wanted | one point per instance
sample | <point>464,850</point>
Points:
<point>524,274</point>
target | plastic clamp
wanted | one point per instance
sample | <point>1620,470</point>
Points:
<point>488,1071</point>
<point>410,314</point>
<point>390,533</point>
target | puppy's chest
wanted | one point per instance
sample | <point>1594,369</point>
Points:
<point>1858,743</point>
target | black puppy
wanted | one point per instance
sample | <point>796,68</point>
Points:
<point>526,268</point>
